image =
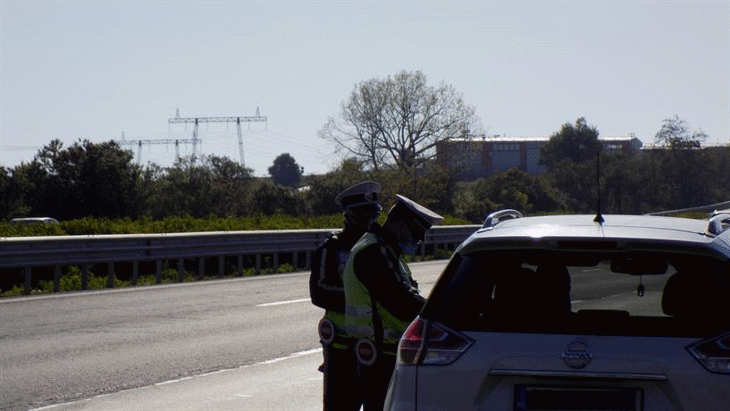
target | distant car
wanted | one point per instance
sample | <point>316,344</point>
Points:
<point>575,312</point>
<point>34,220</point>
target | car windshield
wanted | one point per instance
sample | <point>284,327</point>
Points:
<point>641,293</point>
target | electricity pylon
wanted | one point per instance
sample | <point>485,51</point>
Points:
<point>167,141</point>
<point>237,120</point>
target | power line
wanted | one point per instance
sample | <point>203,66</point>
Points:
<point>18,148</point>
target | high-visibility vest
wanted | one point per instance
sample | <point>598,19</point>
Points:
<point>365,318</point>
<point>336,318</point>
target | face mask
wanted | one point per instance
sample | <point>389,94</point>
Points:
<point>409,248</point>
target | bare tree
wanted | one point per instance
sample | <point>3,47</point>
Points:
<point>398,121</point>
<point>675,134</point>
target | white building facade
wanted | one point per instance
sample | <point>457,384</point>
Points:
<point>481,157</point>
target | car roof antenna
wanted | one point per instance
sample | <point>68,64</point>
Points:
<point>599,217</point>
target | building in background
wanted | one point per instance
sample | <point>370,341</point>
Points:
<point>481,157</point>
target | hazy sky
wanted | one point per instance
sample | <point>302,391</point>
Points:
<point>94,69</point>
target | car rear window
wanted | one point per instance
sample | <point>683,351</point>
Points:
<point>598,293</point>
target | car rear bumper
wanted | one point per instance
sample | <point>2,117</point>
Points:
<point>402,391</point>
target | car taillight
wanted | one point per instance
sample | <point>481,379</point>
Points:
<point>713,354</point>
<point>410,342</point>
<point>431,344</point>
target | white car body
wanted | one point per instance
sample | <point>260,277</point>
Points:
<point>626,339</point>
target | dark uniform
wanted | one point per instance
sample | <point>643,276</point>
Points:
<point>341,382</point>
<point>381,297</point>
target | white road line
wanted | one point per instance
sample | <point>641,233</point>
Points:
<point>284,302</point>
<point>174,381</point>
<point>177,380</point>
<point>294,355</point>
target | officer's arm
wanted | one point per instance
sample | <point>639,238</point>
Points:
<point>381,277</point>
<point>325,285</point>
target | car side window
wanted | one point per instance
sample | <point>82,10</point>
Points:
<point>468,296</point>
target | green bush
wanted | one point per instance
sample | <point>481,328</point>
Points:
<point>102,226</point>
<point>16,291</point>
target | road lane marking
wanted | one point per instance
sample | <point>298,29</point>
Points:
<point>284,302</point>
<point>294,355</point>
<point>177,380</point>
<point>174,381</point>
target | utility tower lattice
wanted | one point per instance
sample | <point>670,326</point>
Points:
<point>197,120</point>
<point>166,141</point>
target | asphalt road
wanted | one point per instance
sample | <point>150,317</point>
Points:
<point>255,335</point>
<point>287,383</point>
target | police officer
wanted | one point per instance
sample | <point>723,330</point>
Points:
<point>361,208</point>
<point>381,297</point>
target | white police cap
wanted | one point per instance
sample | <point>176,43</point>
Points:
<point>360,198</point>
<point>423,216</point>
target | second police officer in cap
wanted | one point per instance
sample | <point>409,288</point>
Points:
<point>381,297</point>
<point>341,385</point>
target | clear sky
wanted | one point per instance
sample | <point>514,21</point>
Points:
<point>96,69</point>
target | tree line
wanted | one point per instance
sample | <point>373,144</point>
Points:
<point>387,132</point>
<point>101,181</point>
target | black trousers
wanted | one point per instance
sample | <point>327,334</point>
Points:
<point>374,380</point>
<point>341,382</point>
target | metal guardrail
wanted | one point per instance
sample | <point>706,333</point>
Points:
<point>705,209</point>
<point>27,253</point>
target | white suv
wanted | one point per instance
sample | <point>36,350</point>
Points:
<point>575,312</point>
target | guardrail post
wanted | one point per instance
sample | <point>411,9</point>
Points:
<point>308,260</point>
<point>27,285</point>
<point>221,266</point>
<point>84,276</point>
<point>57,279</point>
<point>258,264</point>
<point>239,266</point>
<point>275,268</point>
<point>135,272</point>
<point>158,272</point>
<point>201,268</point>
<point>181,270</point>
<point>110,275</point>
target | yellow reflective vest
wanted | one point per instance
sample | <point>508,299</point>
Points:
<point>381,298</point>
<point>325,282</point>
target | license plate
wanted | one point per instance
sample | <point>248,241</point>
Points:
<point>549,398</point>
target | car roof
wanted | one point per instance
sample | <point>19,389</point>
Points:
<point>582,227</point>
<point>34,220</point>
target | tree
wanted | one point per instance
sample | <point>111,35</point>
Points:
<point>577,182</point>
<point>685,169</point>
<point>323,189</point>
<point>431,186</point>
<point>178,190</point>
<point>577,143</point>
<point>675,134</point>
<point>512,188</point>
<point>398,121</point>
<point>200,187</point>
<point>270,199</point>
<point>84,180</point>
<point>7,210</point>
<point>232,185</point>
<point>626,184</point>
<point>285,171</point>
